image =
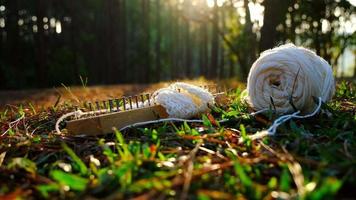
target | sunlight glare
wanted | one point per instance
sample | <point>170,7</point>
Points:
<point>58,27</point>
<point>347,26</point>
<point>211,3</point>
<point>2,23</point>
<point>256,12</point>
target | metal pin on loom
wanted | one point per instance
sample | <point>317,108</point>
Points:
<point>76,109</point>
<point>90,108</point>
<point>130,102</point>
<point>136,100</point>
<point>97,106</point>
<point>142,100</point>
<point>110,105</point>
<point>124,102</point>
<point>148,98</point>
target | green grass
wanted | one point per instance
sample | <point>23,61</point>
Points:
<point>307,159</point>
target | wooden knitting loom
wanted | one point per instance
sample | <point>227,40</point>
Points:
<point>118,113</point>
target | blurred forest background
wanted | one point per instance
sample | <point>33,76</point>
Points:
<point>44,43</point>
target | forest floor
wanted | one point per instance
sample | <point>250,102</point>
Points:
<point>308,159</point>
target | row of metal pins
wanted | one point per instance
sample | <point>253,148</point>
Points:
<point>116,105</point>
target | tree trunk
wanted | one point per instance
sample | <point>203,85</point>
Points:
<point>146,67</point>
<point>247,54</point>
<point>41,45</point>
<point>112,32</point>
<point>204,50</point>
<point>158,42</point>
<point>122,42</point>
<point>275,14</point>
<point>173,41</point>
<point>73,33</point>
<point>188,50</point>
<point>221,71</point>
<point>215,43</point>
<point>12,53</point>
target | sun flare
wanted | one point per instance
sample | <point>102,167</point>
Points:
<point>256,9</point>
<point>212,2</point>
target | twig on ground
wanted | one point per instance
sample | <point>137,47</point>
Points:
<point>13,124</point>
<point>189,173</point>
<point>293,166</point>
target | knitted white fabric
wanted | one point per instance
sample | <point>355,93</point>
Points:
<point>183,100</point>
<point>289,71</point>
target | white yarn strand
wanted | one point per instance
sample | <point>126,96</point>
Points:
<point>271,131</point>
<point>77,114</point>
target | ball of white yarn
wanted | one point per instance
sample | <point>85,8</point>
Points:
<point>183,100</point>
<point>289,72</point>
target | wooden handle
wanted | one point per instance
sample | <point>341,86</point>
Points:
<point>102,124</point>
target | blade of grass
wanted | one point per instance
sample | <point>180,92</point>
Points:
<point>82,167</point>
